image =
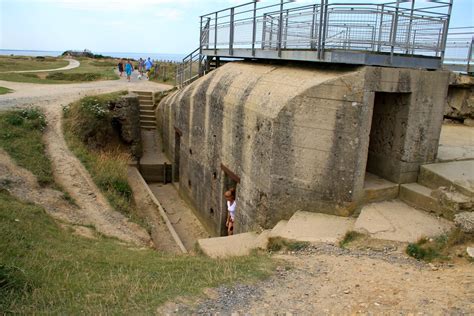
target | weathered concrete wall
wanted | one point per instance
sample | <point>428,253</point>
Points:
<point>126,112</point>
<point>298,138</point>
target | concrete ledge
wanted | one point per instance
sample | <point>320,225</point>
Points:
<point>314,227</point>
<point>233,246</point>
<point>162,213</point>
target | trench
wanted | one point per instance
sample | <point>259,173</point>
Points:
<point>155,168</point>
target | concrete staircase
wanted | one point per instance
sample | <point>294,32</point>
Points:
<point>147,109</point>
<point>443,188</point>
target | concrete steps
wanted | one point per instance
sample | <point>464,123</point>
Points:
<point>443,188</point>
<point>147,109</point>
<point>457,174</point>
<point>377,189</point>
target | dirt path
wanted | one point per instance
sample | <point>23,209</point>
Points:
<point>68,171</point>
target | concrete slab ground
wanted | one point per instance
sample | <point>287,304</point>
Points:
<point>397,221</point>
<point>456,142</point>
<point>230,246</point>
<point>316,227</point>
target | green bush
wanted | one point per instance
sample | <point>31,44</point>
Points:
<point>74,76</point>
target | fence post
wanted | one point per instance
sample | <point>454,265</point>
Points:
<point>286,28</point>
<point>254,30</point>
<point>445,32</point>
<point>469,56</point>
<point>394,33</point>
<point>264,31</point>
<point>409,27</point>
<point>325,27</point>
<point>313,25</point>
<point>320,30</point>
<point>381,28</point>
<point>280,28</point>
<point>231,35</point>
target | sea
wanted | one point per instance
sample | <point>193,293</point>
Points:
<point>136,56</point>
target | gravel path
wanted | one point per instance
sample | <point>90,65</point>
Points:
<point>72,64</point>
<point>327,280</point>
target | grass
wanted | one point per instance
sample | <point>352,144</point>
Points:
<point>48,270</point>
<point>89,70</point>
<point>277,244</point>
<point>21,137</point>
<point>91,137</point>
<point>349,237</point>
<point>438,248</point>
<point>19,63</point>
<point>166,73</point>
<point>4,90</point>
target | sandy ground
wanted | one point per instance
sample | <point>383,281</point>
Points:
<point>68,171</point>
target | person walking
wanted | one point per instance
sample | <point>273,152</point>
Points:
<point>129,69</point>
<point>148,65</point>
<point>120,67</point>
<point>231,206</point>
<point>141,68</point>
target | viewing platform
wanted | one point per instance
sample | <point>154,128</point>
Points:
<point>408,34</point>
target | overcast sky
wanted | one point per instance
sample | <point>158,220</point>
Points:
<point>158,26</point>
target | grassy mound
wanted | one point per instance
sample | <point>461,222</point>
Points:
<point>21,137</point>
<point>89,132</point>
<point>45,269</point>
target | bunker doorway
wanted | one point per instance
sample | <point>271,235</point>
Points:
<point>229,180</point>
<point>387,135</point>
<point>177,150</point>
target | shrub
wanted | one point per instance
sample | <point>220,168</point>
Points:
<point>74,76</point>
<point>349,237</point>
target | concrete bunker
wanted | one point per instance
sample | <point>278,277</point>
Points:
<point>298,138</point>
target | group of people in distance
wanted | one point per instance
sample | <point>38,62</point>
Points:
<point>144,67</point>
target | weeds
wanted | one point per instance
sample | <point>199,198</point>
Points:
<point>277,244</point>
<point>438,248</point>
<point>349,237</point>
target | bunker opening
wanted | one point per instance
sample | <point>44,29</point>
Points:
<point>229,180</point>
<point>387,135</point>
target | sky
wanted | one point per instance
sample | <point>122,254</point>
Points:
<point>157,26</point>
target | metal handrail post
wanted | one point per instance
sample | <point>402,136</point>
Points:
<point>254,29</point>
<point>285,40</point>
<point>380,28</point>
<point>200,49</point>
<point>264,30</point>
<point>445,32</point>
<point>410,27</point>
<point>413,45</point>
<point>320,31</point>
<point>469,56</point>
<point>280,28</point>
<point>394,32</point>
<point>270,40</point>
<point>231,35</point>
<point>215,35</point>
<point>313,25</point>
<point>325,27</point>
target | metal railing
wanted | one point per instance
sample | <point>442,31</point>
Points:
<point>460,49</point>
<point>416,27</point>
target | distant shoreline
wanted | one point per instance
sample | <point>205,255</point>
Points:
<point>164,57</point>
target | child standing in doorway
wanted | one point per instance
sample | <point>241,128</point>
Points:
<point>231,206</point>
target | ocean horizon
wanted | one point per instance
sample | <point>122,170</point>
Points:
<point>162,57</point>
